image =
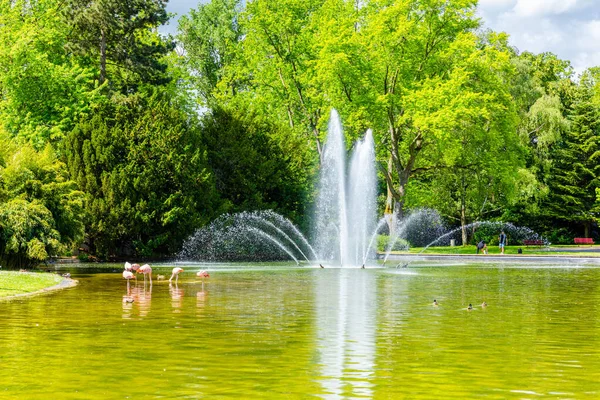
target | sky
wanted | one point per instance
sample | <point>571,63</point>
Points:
<point>568,28</point>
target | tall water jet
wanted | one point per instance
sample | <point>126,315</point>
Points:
<point>362,200</point>
<point>344,219</point>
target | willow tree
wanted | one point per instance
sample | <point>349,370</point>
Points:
<point>41,209</point>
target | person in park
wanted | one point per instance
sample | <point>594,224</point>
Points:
<point>482,246</point>
<point>502,241</point>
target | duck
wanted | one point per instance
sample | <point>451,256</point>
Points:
<point>435,302</point>
<point>470,307</point>
<point>484,304</point>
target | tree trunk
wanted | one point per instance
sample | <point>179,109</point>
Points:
<point>102,56</point>
<point>389,213</point>
<point>586,226</point>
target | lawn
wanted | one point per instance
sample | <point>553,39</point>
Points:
<point>12,282</point>
<point>555,250</point>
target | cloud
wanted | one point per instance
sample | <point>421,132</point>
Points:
<point>568,28</point>
<point>531,8</point>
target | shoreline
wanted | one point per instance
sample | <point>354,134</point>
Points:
<point>66,283</point>
<point>495,258</point>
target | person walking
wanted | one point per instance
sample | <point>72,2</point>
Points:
<point>502,241</point>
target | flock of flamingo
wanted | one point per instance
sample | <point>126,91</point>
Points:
<point>131,270</point>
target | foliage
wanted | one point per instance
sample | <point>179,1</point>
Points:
<point>210,35</point>
<point>576,170</point>
<point>143,167</point>
<point>252,169</point>
<point>44,90</point>
<point>41,210</point>
<point>118,39</point>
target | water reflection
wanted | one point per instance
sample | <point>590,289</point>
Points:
<point>345,317</point>
<point>139,296</point>
<point>176,297</point>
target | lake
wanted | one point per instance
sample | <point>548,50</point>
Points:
<point>281,331</point>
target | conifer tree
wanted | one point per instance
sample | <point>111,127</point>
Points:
<point>576,168</point>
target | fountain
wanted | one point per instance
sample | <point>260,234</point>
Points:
<point>345,225</point>
<point>346,209</point>
<point>345,221</point>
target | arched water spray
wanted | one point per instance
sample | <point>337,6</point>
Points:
<point>271,238</point>
<point>287,223</point>
<point>380,225</point>
<point>280,231</point>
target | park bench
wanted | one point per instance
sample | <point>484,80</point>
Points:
<point>531,242</point>
<point>579,241</point>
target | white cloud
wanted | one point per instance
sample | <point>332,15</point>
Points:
<point>496,3</point>
<point>568,28</point>
<point>531,8</point>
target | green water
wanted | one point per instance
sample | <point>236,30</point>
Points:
<point>284,332</point>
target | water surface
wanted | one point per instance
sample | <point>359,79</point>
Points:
<point>287,332</point>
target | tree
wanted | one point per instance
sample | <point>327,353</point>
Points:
<point>210,36</point>
<point>41,210</point>
<point>44,90</point>
<point>142,164</point>
<point>118,38</point>
<point>575,166</point>
<point>253,169</point>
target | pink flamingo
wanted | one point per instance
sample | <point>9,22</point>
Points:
<point>146,270</point>
<point>135,267</point>
<point>202,274</point>
<point>128,275</point>
<point>127,266</point>
<point>176,272</point>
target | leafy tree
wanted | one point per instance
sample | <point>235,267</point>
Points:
<point>142,164</point>
<point>41,210</point>
<point>210,36</point>
<point>44,90</point>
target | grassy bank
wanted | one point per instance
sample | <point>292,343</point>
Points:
<point>587,251</point>
<point>13,283</point>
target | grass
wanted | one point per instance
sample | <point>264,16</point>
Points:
<point>509,250</point>
<point>12,282</point>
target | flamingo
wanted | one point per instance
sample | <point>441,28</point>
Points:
<point>135,267</point>
<point>202,274</point>
<point>146,270</point>
<point>176,272</point>
<point>127,266</point>
<point>128,275</point>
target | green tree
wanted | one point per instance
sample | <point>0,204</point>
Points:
<point>41,210</point>
<point>210,36</point>
<point>44,90</point>
<point>119,38</point>
<point>142,164</point>
<point>576,169</point>
<point>252,168</point>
